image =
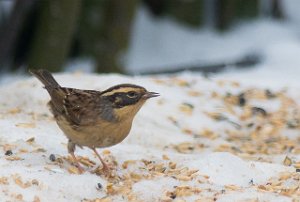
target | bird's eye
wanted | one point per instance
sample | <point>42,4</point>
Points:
<point>132,94</point>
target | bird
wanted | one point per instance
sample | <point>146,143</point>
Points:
<point>90,118</point>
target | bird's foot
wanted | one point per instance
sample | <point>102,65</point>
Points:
<point>80,169</point>
<point>78,166</point>
<point>107,171</point>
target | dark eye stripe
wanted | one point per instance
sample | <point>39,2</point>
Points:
<point>122,99</point>
<point>132,94</point>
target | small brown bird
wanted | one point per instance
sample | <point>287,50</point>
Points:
<point>92,118</point>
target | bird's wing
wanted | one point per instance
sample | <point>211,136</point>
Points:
<point>82,107</point>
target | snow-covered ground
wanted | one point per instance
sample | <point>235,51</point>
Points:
<point>233,136</point>
<point>206,139</point>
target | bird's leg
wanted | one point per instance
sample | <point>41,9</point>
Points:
<point>71,149</point>
<point>105,167</point>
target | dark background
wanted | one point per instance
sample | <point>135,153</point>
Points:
<point>48,33</point>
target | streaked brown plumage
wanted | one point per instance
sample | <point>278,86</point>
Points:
<point>92,118</point>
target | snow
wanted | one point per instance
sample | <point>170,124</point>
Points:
<point>158,130</point>
<point>225,168</point>
<point>163,43</point>
<point>173,135</point>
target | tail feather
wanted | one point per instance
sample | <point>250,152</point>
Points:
<point>46,78</point>
<point>55,91</point>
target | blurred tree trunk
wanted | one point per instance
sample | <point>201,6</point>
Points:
<point>104,31</point>
<point>224,13</point>
<point>188,12</point>
<point>247,9</point>
<point>157,7</point>
<point>276,9</point>
<point>11,29</point>
<point>272,8</point>
<point>227,11</point>
<point>53,36</point>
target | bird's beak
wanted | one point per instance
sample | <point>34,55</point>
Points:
<point>150,95</point>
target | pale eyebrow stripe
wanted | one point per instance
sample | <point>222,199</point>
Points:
<point>123,90</point>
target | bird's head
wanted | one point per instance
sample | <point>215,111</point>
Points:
<point>127,99</point>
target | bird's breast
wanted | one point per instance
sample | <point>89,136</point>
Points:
<point>102,134</point>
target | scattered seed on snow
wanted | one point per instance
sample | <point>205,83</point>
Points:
<point>52,157</point>
<point>8,153</point>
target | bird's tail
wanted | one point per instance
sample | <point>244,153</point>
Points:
<point>46,78</point>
